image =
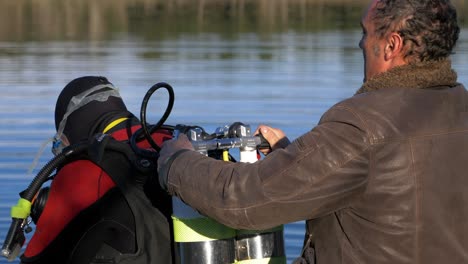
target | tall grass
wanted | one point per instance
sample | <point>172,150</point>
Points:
<point>23,20</point>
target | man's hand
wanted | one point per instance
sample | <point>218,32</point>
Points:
<point>166,156</point>
<point>274,136</point>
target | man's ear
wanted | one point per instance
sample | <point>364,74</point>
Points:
<point>393,47</point>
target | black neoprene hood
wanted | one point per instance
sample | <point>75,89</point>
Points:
<point>80,122</point>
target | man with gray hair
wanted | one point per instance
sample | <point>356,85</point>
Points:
<point>382,178</point>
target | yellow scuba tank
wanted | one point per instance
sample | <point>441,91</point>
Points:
<point>201,240</point>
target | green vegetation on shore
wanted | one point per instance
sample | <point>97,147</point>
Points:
<point>25,20</point>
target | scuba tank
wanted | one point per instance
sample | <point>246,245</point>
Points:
<point>200,239</point>
<point>203,240</point>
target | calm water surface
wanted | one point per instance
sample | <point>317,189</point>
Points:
<point>286,80</point>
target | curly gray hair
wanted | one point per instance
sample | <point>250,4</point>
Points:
<point>429,28</point>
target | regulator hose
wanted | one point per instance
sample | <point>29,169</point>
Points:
<point>50,166</point>
<point>15,236</point>
<point>163,119</point>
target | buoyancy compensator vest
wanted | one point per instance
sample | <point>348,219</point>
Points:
<point>103,232</point>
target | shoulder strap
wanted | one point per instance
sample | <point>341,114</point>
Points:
<point>119,161</point>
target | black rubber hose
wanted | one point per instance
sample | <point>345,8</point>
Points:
<point>143,152</point>
<point>139,151</point>
<point>15,234</point>
<point>45,172</point>
<point>163,119</point>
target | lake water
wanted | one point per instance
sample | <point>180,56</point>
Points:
<point>286,80</point>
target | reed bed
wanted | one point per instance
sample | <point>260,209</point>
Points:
<point>23,20</point>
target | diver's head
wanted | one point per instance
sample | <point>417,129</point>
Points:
<point>81,105</point>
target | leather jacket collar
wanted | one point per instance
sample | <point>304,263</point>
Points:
<point>422,75</point>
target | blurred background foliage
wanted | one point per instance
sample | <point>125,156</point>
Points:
<point>61,20</point>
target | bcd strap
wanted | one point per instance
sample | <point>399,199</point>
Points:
<point>118,160</point>
<point>97,147</point>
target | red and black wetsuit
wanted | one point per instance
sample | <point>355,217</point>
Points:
<point>86,216</point>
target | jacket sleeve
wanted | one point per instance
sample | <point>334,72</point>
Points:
<point>318,173</point>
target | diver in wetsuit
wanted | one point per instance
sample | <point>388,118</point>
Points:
<point>91,214</point>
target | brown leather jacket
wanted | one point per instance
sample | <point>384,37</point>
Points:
<point>383,178</point>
